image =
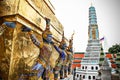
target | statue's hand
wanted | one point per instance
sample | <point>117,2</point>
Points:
<point>6,24</point>
<point>10,24</point>
<point>26,29</point>
<point>52,42</point>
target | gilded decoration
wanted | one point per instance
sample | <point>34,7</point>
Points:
<point>17,52</point>
<point>94,34</point>
<point>5,52</point>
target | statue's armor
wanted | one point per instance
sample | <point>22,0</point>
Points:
<point>59,65</point>
<point>69,58</point>
<point>48,55</point>
<point>45,54</point>
<point>69,63</point>
<point>54,57</point>
<point>59,61</point>
<point>66,59</point>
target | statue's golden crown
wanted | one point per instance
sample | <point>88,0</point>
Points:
<point>47,30</point>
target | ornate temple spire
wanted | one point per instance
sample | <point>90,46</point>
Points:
<point>92,16</point>
<point>91,4</point>
<point>93,27</point>
<point>90,63</point>
<point>105,70</point>
<point>105,62</point>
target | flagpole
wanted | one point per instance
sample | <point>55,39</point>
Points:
<point>101,40</point>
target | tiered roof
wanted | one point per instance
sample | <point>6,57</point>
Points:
<point>79,55</point>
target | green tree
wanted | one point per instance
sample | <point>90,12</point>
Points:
<point>114,49</point>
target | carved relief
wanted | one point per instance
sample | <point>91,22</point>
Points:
<point>25,54</point>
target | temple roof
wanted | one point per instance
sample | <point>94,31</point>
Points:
<point>81,55</point>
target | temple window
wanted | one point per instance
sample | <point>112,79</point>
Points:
<point>93,77</point>
<point>89,77</point>
<point>80,76</point>
<point>77,75</point>
<point>92,67</point>
<point>96,68</point>
<point>82,67</point>
<point>83,76</point>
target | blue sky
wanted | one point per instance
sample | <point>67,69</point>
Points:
<point>73,14</point>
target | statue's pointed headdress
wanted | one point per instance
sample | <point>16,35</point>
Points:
<point>71,42</point>
<point>47,23</point>
<point>63,40</point>
<point>47,30</point>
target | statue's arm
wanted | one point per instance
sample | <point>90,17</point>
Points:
<point>32,36</point>
<point>62,53</point>
<point>35,40</point>
<point>10,24</point>
<point>57,49</point>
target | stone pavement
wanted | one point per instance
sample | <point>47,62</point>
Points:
<point>70,77</point>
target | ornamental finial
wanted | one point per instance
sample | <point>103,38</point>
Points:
<point>91,4</point>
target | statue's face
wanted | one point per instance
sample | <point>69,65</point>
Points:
<point>71,50</point>
<point>64,46</point>
<point>49,38</point>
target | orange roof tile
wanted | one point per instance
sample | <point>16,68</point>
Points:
<point>109,55</point>
<point>76,60</point>
<point>78,55</point>
<point>75,65</point>
<point>113,65</point>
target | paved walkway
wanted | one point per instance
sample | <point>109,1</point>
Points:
<point>70,77</point>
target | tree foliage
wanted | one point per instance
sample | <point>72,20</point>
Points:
<point>114,49</point>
